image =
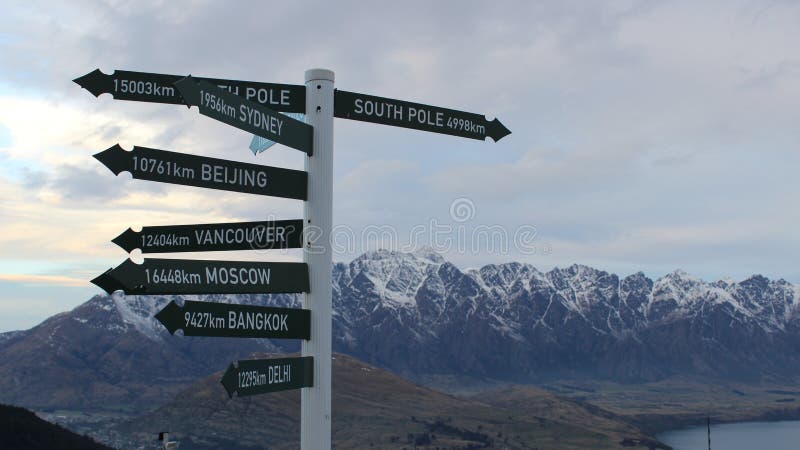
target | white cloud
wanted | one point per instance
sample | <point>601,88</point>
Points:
<point>646,135</point>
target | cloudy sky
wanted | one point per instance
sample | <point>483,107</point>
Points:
<point>647,135</point>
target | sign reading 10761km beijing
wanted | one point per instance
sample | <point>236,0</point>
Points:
<point>200,171</point>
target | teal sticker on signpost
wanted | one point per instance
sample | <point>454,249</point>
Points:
<point>260,144</point>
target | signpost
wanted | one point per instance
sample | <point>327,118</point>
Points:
<point>254,107</point>
<point>399,113</point>
<point>246,115</point>
<point>261,376</point>
<point>279,234</point>
<point>196,276</point>
<point>230,320</point>
<point>200,171</point>
<point>158,88</point>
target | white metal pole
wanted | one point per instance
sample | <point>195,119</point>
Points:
<point>315,412</point>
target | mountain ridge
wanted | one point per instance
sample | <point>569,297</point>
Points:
<point>419,315</point>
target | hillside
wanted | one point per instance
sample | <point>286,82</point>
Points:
<point>20,429</point>
<point>372,408</point>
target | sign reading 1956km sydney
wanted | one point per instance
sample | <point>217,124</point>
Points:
<point>229,320</point>
<point>246,115</point>
<point>159,88</point>
<point>399,113</point>
<point>278,234</point>
<point>178,168</point>
<point>193,276</point>
<point>260,376</point>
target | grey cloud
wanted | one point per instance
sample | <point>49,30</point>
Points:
<point>625,115</point>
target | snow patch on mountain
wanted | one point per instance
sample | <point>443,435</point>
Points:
<point>139,312</point>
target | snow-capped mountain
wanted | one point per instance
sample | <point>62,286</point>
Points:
<point>417,314</point>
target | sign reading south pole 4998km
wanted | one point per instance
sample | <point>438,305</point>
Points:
<point>399,113</point>
<point>191,276</point>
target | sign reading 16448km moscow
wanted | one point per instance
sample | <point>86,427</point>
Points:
<point>196,276</point>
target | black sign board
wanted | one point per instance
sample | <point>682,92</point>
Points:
<point>191,276</point>
<point>159,88</point>
<point>249,116</point>
<point>261,376</point>
<point>398,113</point>
<point>267,235</point>
<point>229,320</point>
<point>213,173</point>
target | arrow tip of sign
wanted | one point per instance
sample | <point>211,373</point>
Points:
<point>498,130</point>
<point>168,316</point>
<point>113,157</point>
<point>184,87</point>
<point>105,282</point>
<point>229,380</point>
<point>93,82</point>
<point>128,240</point>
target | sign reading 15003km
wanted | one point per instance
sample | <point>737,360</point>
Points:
<point>158,88</point>
<point>191,276</point>
<point>399,113</point>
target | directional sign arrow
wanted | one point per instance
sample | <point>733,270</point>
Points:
<point>213,173</point>
<point>246,115</point>
<point>261,376</point>
<point>158,88</point>
<point>190,276</point>
<point>398,113</point>
<point>214,237</point>
<point>229,320</point>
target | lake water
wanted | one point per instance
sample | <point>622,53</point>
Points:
<point>737,436</point>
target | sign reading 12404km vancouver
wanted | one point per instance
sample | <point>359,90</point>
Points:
<point>266,235</point>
